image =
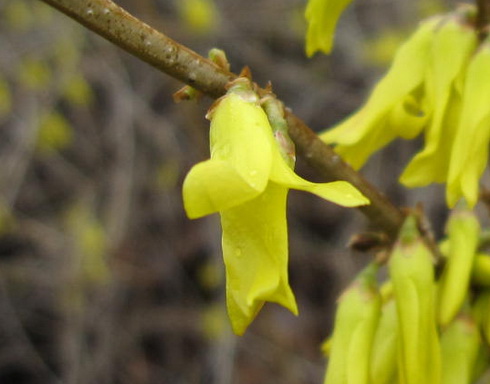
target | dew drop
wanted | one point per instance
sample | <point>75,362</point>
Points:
<point>106,11</point>
<point>90,11</point>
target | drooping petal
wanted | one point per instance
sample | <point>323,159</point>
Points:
<point>368,129</point>
<point>432,167</point>
<point>212,186</point>
<point>338,192</point>
<point>255,252</point>
<point>322,16</point>
<point>451,49</point>
<point>470,148</point>
<point>409,117</point>
<point>477,163</point>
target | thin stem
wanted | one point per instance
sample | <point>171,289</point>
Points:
<point>115,24</point>
<point>381,212</point>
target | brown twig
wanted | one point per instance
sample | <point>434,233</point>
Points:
<point>483,17</point>
<point>112,22</point>
<point>115,24</point>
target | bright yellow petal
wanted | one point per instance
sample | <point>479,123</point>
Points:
<point>322,16</point>
<point>451,49</point>
<point>255,251</point>
<point>470,149</point>
<point>338,192</point>
<point>477,162</point>
<point>356,155</point>
<point>466,182</point>
<point>431,165</point>
<point>240,159</point>
<point>367,130</point>
<point>240,135</point>
<point>212,186</point>
<point>409,117</point>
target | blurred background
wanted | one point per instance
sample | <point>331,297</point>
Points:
<point>103,279</point>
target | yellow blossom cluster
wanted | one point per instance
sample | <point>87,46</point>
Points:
<point>438,85</point>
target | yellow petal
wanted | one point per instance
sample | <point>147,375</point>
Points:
<point>368,130</point>
<point>338,192</point>
<point>451,49</point>
<point>240,162</point>
<point>470,149</point>
<point>322,16</point>
<point>212,186</point>
<point>255,252</point>
<point>463,230</point>
<point>408,117</point>
<point>431,165</point>
<point>240,135</point>
<point>358,153</point>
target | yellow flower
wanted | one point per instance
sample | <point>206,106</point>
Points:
<point>247,180</point>
<point>435,86</point>
<point>395,107</point>
<point>322,16</point>
<point>470,149</point>
<point>450,52</point>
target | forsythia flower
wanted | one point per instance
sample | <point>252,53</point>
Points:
<point>436,86</point>
<point>452,46</point>
<point>322,16</point>
<point>247,180</point>
<point>393,99</point>
<point>470,150</point>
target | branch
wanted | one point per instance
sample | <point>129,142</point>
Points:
<point>483,17</point>
<point>113,23</point>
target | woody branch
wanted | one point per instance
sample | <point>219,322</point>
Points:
<point>129,33</point>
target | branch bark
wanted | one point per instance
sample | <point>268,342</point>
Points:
<point>483,17</point>
<point>116,25</point>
